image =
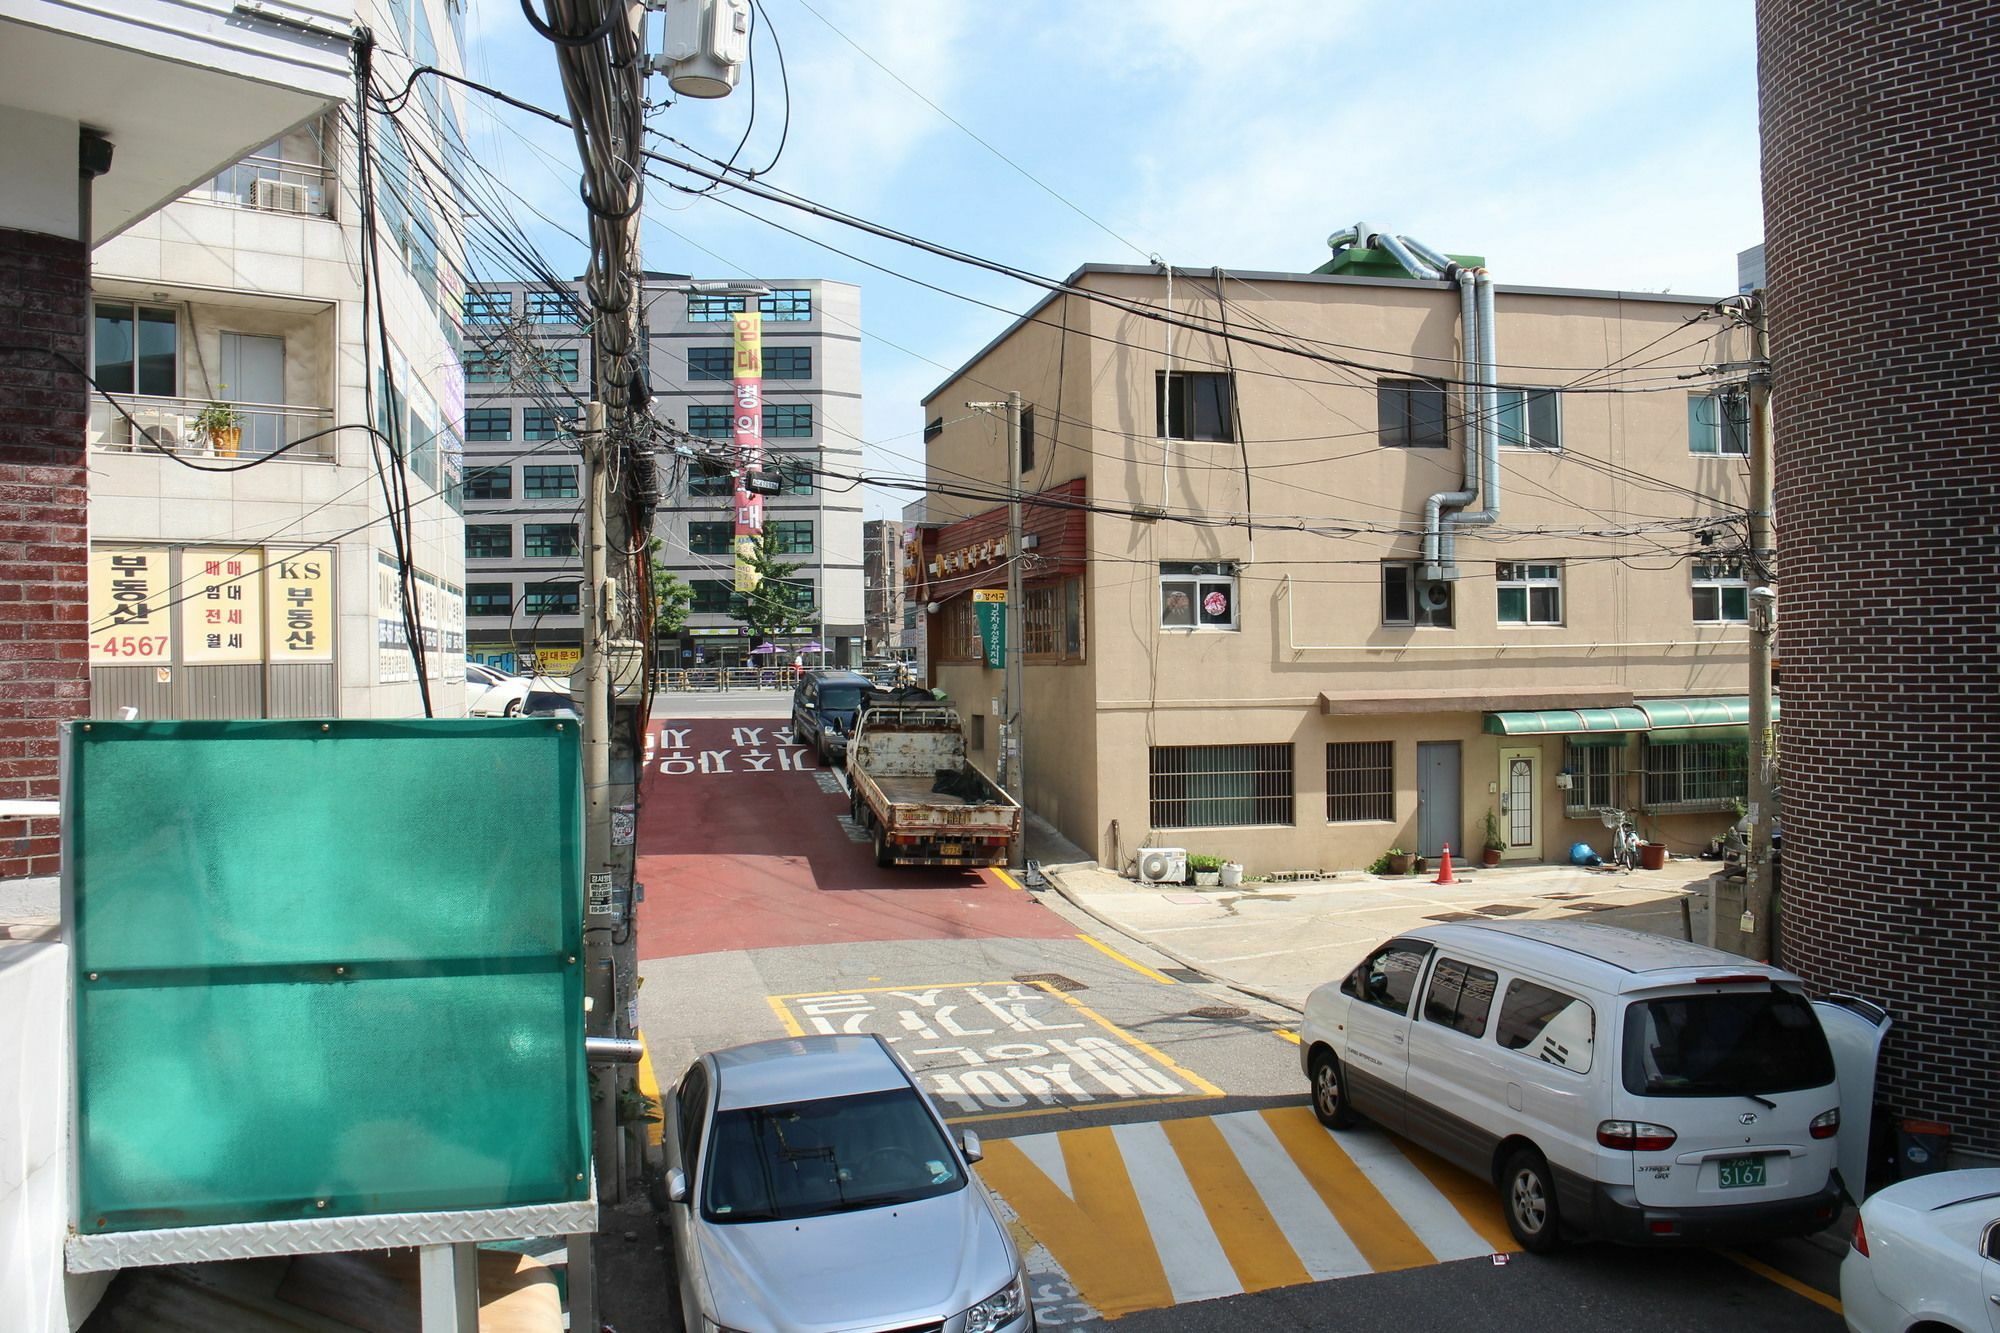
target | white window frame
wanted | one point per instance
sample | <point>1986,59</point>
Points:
<point>1707,576</point>
<point>1514,397</point>
<point>1523,575</point>
<point>1714,405</point>
<point>1201,584</point>
<point>1418,618</point>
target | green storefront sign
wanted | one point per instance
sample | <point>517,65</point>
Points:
<point>991,606</point>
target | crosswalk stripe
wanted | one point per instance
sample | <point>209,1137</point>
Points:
<point>1300,1213</point>
<point>1249,1235</point>
<point>1383,1237</point>
<point>1429,1213</point>
<point>1101,1238</point>
<point>1045,1151</point>
<point>1197,1268</point>
<point>1476,1201</point>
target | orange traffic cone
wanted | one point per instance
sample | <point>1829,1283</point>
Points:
<point>1444,868</point>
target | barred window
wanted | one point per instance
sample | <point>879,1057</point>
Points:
<point>539,423</point>
<point>489,599</point>
<point>788,363</point>
<point>488,541</point>
<point>1695,776</point>
<point>489,423</point>
<point>549,541</point>
<point>548,481</point>
<point>488,307</point>
<point>959,641</point>
<point>1052,621</point>
<point>1220,786</point>
<point>709,363</point>
<point>1360,781</point>
<point>787,421</point>
<point>489,483</point>
<point>708,420</point>
<point>710,538</point>
<point>547,307</point>
<point>550,599</point>
<point>1596,778</point>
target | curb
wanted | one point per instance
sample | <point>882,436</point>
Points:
<point>1054,878</point>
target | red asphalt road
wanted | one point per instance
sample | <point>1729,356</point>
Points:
<point>740,849</point>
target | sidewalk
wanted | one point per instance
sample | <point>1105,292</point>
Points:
<point>1278,941</point>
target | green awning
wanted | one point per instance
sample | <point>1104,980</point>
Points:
<point>1566,722</point>
<point>1666,720</point>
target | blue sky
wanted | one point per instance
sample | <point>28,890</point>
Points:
<point>1572,144</point>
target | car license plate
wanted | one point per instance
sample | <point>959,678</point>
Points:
<point>952,849</point>
<point>1740,1172</point>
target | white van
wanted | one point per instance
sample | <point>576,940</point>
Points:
<point>1631,1087</point>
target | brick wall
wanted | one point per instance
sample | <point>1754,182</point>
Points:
<point>1881,130</point>
<point>44,544</point>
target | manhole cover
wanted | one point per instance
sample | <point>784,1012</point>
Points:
<point>1221,1013</point>
<point>1588,907</point>
<point>1502,909</point>
<point>1454,916</point>
<point>1186,974</point>
<point>1053,980</point>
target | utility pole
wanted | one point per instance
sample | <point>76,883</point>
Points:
<point>1016,747</point>
<point>600,874</point>
<point>1759,899</point>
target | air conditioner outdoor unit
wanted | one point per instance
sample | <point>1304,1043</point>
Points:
<point>166,430</point>
<point>1162,865</point>
<point>282,196</point>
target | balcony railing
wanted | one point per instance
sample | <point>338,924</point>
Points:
<point>168,423</point>
<point>273,185</point>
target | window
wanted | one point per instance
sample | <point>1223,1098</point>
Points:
<point>489,483</point>
<point>548,481</point>
<point>488,307</point>
<point>540,423</point>
<point>786,304</point>
<point>547,307</point>
<point>1052,621</point>
<point>788,363</point>
<point>975,732</point>
<point>1555,1028</point>
<point>1695,776</point>
<point>959,640</point>
<point>137,350</point>
<point>548,541</point>
<point>798,477</point>
<point>711,596</point>
<point>1408,599</point>
<point>1530,594</point>
<point>1460,997</point>
<point>788,421</point>
<point>712,309</point>
<point>1529,419</point>
<point>1197,596</point>
<point>710,538</point>
<point>829,1155</point>
<point>933,428</point>
<point>1027,440</point>
<point>488,541</point>
<point>1387,978</point>
<point>1721,595</point>
<point>1741,1044</point>
<point>489,423</point>
<point>1220,786</point>
<point>1719,424</point>
<point>706,419</point>
<point>710,363</point>
<point>550,599</point>
<point>1596,777</point>
<point>790,536</point>
<point>558,363</point>
<point>691,1109</point>
<point>483,366</point>
<point>1198,405</point>
<point>1410,414</point>
<point>489,599</point>
<point>709,480</point>
<point>1360,781</point>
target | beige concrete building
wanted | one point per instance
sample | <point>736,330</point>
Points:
<point>1234,640</point>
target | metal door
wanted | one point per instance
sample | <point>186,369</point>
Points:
<point>1438,796</point>
<point>253,371</point>
<point>1520,791</point>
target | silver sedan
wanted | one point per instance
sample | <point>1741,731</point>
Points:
<point>813,1187</point>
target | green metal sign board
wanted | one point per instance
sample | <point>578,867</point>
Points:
<point>324,969</point>
<point>991,606</point>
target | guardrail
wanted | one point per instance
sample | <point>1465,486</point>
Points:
<point>725,678</point>
<point>168,423</point>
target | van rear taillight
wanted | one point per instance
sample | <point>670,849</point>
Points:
<point>1826,1124</point>
<point>1859,1240</point>
<point>1635,1136</point>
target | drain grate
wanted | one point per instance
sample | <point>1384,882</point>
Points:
<point>1454,916</point>
<point>1186,974</point>
<point>1053,980</point>
<point>1503,909</point>
<point>1220,1013</point>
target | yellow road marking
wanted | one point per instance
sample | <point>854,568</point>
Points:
<point>1377,1230</point>
<point>1101,1238</point>
<point>1476,1200</point>
<point>1785,1280</point>
<point>792,1028</point>
<point>1250,1236</point>
<point>1007,879</point>
<point>1129,1039</point>
<point>1286,1034</point>
<point>650,1086</point>
<point>1140,968</point>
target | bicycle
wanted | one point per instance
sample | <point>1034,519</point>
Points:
<point>1624,838</point>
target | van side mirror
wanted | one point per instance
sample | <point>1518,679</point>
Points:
<point>677,1185</point>
<point>968,1143</point>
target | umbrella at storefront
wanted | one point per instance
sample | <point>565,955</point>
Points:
<point>765,648</point>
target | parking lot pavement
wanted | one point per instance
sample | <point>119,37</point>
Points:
<point>1279,940</point>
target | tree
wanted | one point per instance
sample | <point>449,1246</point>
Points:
<point>779,603</point>
<point>672,598</point>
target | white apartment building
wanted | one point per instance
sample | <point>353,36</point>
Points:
<point>528,367</point>
<point>274,590</point>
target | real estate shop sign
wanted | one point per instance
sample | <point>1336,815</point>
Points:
<point>990,604</point>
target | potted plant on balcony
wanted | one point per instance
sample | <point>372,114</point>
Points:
<point>1495,843</point>
<point>220,425</point>
<point>1207,870</point>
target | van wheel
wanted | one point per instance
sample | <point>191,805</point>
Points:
<point>882,853</point>
<point>1528,1193</point>
<point>1329,1092</point>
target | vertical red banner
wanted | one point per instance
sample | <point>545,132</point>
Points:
<point>747,434</point>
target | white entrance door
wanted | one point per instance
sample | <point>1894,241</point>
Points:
<point>1520,788</point>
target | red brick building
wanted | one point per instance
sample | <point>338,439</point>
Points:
<point>1881,137</point>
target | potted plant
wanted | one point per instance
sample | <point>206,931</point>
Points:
<point>1396,861</point>
<point>221,425</point>
<point>1207,870</point>
<point>1232,874</point>
<point>1495,843</point>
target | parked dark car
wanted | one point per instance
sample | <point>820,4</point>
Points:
<point>824,708</point>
